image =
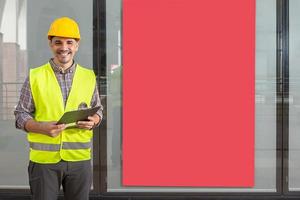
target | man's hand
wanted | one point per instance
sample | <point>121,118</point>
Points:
<point>51,128</point>
<point>90,124</point>
<point>47,128</point>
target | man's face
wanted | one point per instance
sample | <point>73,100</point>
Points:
<point>63,49</point>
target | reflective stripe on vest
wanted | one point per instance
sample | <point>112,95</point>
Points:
<point>56,147</point>
<point>49,106</point>
<point>76,145</point>
<point>44,147</point>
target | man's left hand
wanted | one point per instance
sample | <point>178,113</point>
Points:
<point>90,124</point>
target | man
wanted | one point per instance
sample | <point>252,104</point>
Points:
<point>59,156</point>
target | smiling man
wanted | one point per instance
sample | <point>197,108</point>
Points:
<point>59,156</point>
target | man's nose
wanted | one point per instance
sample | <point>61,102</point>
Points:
<point>64,46</point>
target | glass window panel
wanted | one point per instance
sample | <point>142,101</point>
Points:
<point>23,44</point>
<point>294,92</point>
<point>265,117</point>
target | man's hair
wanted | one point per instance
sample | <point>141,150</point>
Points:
<point>51,37</point>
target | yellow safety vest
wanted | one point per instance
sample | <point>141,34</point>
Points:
<point>71,144</point>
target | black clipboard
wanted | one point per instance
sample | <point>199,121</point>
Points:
<point>77,115</point>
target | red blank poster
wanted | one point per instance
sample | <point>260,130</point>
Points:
<point>188,93</point>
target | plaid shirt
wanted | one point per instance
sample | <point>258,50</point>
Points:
<point>26,108</point>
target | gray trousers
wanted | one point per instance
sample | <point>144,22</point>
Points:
<point>45,180</point>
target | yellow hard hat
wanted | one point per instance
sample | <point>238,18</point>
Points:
<point>64,27</point>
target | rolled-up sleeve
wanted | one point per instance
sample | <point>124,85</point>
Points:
<point>25,108</point>
<point>97,102</point>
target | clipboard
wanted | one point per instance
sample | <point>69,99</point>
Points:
<point>77,115</point>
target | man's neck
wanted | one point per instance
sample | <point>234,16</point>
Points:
<point>63,66</point>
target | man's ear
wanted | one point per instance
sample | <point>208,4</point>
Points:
<point>50,43</point>
<point>77,44</point>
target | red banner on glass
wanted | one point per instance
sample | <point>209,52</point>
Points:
<point>188,93</point>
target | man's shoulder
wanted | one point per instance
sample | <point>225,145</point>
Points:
<point>84,69</point>
<point>40,69</point>
<point>43,66</point>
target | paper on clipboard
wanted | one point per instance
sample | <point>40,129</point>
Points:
<point>77,115</point>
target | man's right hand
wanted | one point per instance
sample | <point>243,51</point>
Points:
<point>52,129</point>
<point>47,128</point>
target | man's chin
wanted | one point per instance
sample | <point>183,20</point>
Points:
<point>63,61</point>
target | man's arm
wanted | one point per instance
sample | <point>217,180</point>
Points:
<point>25,108</point>
<point>47,128</point>
<point>97,102</point>
<point>24,113</point>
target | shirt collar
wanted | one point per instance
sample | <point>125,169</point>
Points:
<point>56,68</point>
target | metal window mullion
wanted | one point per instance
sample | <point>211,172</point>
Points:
<point>282,74</point>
